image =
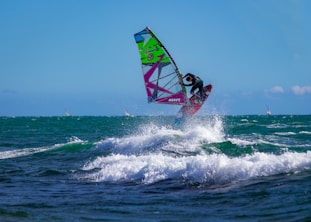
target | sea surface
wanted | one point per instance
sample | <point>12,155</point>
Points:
<point>212,168</point>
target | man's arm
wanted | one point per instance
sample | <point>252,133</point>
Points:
<point>190,84</point>
<point>186,75</point>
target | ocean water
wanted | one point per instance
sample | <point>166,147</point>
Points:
<point>213,168</point>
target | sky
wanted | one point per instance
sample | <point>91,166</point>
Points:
<point>81,56</point>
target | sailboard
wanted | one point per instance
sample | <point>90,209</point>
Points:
<point>187,111</point>
<point>161,75</point>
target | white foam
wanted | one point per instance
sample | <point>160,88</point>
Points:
<point>210,169</point>
<point>21,152</point>
<point>285,133</point>
<point>29,151</point>
<point>241,142</point>
<point>143,157</point>
<point>153,138</point>
<point>277,126</point>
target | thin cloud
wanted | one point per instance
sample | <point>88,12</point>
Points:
<point>277,89</point>
<point>301,90</point>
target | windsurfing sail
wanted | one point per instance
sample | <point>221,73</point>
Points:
<point>160,72</point>
<point>67,113</point>
<point>127,114</point>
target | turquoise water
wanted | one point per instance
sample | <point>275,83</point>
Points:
<point>214,168</point>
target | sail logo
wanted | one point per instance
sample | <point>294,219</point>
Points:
<point>150,56</point>
<point>174,100</point>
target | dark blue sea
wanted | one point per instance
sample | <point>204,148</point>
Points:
<point>212,168</point>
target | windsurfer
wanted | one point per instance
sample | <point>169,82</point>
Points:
<point>196,83</point>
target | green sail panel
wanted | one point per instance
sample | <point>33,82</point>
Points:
<point>151,51</point>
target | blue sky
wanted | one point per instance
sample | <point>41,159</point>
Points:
<point>81,56</point>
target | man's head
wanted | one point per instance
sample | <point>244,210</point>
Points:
<point>189,79</point>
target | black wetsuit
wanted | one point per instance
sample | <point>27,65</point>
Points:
<point>196,83</point>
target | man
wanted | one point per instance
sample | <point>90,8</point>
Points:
<point>196,83</point>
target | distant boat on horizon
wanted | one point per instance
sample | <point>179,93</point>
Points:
<point>127,113</point>
<point>268,111</point>
<point>67,113</point>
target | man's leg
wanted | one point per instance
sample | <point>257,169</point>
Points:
<point>201,91</point>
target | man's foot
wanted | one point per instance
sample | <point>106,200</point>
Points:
<point>199,101</point>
